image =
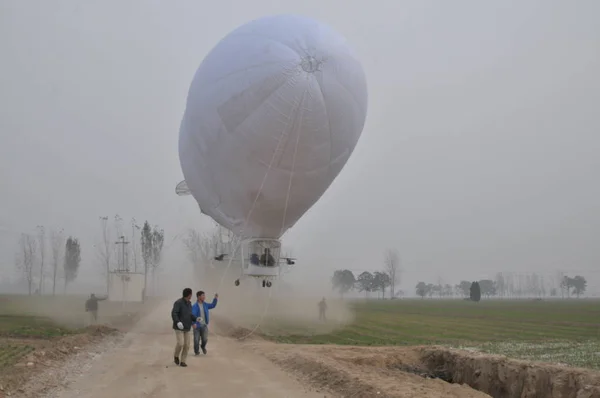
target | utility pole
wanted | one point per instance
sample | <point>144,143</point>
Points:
<point>122,242</point>
<point>123,267</point>
<point>134,226</point>
<point>106,251</point>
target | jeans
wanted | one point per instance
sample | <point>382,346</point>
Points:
<point>200,333</point>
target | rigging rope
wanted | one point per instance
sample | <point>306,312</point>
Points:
<point>238,239</point>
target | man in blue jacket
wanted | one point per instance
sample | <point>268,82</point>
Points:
<point>200,310</point>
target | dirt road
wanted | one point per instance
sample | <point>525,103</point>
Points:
<point>141,366</point>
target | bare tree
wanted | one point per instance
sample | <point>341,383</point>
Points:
<point>201,248</point>
<point>392,268</point>
<point>152,242</point>
<point>118,225</point>
<point>500,284</point>
<point>509,280</point>
<point>104,250</point>
<point>158,240</point>
<point>42,247</point>
<point>26,258</point>
<point>560,276</point>
<point>57,242</point>
<point>134,227</point>
<point>198,247</point>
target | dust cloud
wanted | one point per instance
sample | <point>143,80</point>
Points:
<point>286,308</point>
<point>280,311</point>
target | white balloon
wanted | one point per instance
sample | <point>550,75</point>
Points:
<point>273,113</point>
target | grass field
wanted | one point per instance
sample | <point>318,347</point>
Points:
<point>28,321</point>
<point>27,326</point>
<point>565,331</point>
<point>29,315</point>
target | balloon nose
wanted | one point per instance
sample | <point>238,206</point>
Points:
<point>310,64</point>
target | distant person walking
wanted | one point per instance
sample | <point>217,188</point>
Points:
<point>182,323</point>
<point>91,306</point>
<point>200,309</point>
<point>322,309</point>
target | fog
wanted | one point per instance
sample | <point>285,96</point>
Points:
<point>480,152</point>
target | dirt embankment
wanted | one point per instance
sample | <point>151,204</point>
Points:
<point>362,372</point>
<point>43,354</point>
<point>23,356</point>
<point>429,372</point>
<point>502,377</point>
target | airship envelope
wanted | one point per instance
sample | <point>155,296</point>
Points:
<point>273,113</point>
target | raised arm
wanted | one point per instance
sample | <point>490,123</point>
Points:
<point>213,304</point>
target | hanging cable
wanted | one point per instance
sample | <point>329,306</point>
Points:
<point>238,239</point>
<point>287,198</point>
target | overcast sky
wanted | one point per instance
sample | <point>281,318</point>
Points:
<point>480,153</point>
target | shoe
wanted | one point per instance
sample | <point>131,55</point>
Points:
<point>176,360</point>
<point>204,350</point>
<point>183,364</point>
<point>196,353</point>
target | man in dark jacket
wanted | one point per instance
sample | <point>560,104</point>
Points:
<point>91,306</point>
<point>182,323</point>
<point>322,309</point>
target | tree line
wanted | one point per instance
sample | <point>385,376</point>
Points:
<point>65,254</point>
<point>65,259</point>
<point>505,287</point>
<point>343,280</point>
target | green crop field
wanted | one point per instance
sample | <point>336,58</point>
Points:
<point>29,326</point>
<point>22,325</point>
<point>565,331</point>
<point>32,317</point>
<point>10,353</point>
